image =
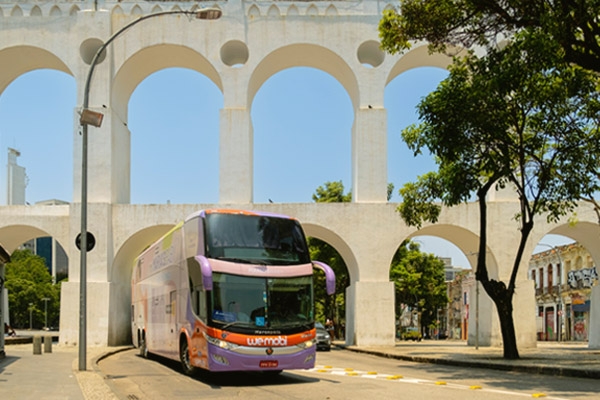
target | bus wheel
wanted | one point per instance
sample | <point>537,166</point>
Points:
<point>184,356</point>
<point>142,343</point>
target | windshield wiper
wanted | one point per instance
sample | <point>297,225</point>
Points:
<point>234,323</point>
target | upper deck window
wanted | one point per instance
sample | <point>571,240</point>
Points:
<point>255,239</point>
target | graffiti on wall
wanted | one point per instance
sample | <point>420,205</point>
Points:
<point>582,278</point>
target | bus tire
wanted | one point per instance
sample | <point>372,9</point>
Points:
<point>184,356</point>
<point>143,348</point>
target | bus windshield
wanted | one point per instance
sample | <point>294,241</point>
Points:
<point>261,303</point>
<point>255,239</point>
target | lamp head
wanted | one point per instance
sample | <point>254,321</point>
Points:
<point>209,13</point>
<point>89,117</point>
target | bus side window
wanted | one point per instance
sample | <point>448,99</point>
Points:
<point>201,302</point>
<point>171,307</point>
<point>197,292</point>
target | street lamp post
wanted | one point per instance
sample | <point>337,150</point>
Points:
<point>89,117</point>
<point>30,316</point>
<point>4,259</point>
<point>46,300</point>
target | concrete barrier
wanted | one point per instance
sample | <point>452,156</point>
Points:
<point>47,344</point>
<point>37,345</point>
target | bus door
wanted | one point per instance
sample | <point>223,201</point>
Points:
<point>172,335</point>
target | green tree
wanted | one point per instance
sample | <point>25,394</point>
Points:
<point>518,119</point>
<point>419,281</point>
<point>28,282</point>
<point>574,26</point>
<point>332,192</point>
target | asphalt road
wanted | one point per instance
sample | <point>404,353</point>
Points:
<point>339,374</point>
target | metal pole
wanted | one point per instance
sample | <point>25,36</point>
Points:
<point>83,245</point>
<point>46,299</point>
<point>206,13</point>
<point>476,314</point>
<point>4,258</point>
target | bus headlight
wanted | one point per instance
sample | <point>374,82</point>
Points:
<point>306,345</point>
<point>219,343</point>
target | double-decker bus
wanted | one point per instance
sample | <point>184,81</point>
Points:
<point>228,290</point>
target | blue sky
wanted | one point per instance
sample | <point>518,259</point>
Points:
<point>302,121</point>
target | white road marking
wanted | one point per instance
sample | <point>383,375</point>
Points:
<point>403,379</point>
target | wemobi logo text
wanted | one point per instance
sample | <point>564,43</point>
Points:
<point>267,341</point>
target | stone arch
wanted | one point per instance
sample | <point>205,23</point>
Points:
<point>156,9</point>
<point>152,59</point>
<point>120,280</point>
<point>483,309</point>
<point>16,12</point>
<point>36,11</point>
<point>466,240</point>
<point>74,10</point>
<point>55,11</point>
<point>12,236</point>
<point>331,10</point>
<point>312,10</point>
<point>584,232</point>
<point>19,60</point>
<point>273,11</point>
<point>253,11</point>
<point>136,10</point>
<point>337,242</point>
<point>293,10</point>
<point>418,57</point>
<point>304,55</point>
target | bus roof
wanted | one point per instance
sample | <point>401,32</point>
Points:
<point>203,213</point>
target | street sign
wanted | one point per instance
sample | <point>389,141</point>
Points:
<point>90,241</point>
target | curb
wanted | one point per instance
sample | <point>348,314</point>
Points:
<point>501,366</point>
<point>93,383</point>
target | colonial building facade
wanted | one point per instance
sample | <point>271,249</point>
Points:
<point>564,277</point>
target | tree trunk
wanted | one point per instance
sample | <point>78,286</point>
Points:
<point>502,298</point>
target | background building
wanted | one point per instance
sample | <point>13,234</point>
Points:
<point>16,179</point>
<point>46,247</point>
<point>564,276</point>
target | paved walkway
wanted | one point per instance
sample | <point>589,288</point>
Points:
<point>56,375</point>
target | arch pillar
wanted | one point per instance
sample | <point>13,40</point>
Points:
<point>99,296</point>
<point>594,339</point>
<point>235,156</point>
<point>369,155</point>
<point>370,314</point>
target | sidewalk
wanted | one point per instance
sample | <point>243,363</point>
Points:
<point>55,375</point>
<point>51,375</point>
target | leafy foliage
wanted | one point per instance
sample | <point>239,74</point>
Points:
<point>517,119</point>
<point>419,281</point>
<point>28,282</point>
<point>332,192</point>
<point>573,26</point>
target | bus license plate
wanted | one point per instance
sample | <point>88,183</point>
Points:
<point>269,364</point>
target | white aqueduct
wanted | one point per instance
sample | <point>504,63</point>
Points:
<point>251,42</point>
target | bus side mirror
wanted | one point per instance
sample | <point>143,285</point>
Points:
<point>206,270</point>
<point>329,276</point>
